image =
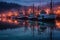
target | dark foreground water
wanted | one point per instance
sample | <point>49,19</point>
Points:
<point>29,30</point>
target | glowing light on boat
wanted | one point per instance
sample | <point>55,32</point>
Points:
<point>22,11</point>
<point>29,10</point>
<point>9,14</point>
<point>58,24</point>
<point>15,13</point>
<point>3,15</point>
<point>4,19</point>
<point>58,12</point>
<point>36,12</point>
<point>58,7</point>
<point>10,21</point>
<point>47,11</point>
<point>16,22</point>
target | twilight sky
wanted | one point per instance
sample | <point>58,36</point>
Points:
<point>30,2</point>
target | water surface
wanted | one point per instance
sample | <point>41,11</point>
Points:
<point>29,30</point>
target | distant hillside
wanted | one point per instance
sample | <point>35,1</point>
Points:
<point>7,6</point>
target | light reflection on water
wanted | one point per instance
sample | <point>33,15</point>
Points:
<point>28,30</point>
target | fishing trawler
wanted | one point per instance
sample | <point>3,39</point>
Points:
<point>21,16</point>
<point>44,16</point>
<point>51,15</point>
<point>32,17</point>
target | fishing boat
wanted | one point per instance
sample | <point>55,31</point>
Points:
<point>21,16</point>
<point>44,16</point>
<point>32,17</point>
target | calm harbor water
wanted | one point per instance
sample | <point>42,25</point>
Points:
<point>29,30</point>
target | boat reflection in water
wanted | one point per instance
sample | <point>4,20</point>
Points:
<point>28,30</point>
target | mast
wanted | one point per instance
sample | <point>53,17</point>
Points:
<point>51,12</point>
<point>33,25</point>
<point>51,6</point>
<point>33,8</point>
<point>38,8</point>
